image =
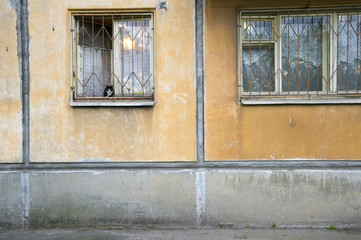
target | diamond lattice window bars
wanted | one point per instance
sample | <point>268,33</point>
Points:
<point>112,56</point>
<point>296,53</point>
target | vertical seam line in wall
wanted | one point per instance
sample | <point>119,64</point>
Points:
<point>23,58</point>
<point>25,77</point>
<point>201,197</point>
<point>25,198</point>
<point>199,78</point>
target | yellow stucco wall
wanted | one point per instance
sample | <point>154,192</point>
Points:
<point>60,133</point>
<point>235,131</point>
<point>10,100</point>
<point>167,131</point>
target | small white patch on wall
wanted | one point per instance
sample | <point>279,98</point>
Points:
<point>180,97</point>
<point>228,146</point>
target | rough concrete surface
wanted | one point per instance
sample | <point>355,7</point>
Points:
<point>180,198</point>
<point>10,201</point>
<point>289,197</point>
<point>111,198</point>
<point>180,234</point>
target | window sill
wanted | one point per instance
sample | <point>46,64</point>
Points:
<point>134,103</point>
<point>299,100</point>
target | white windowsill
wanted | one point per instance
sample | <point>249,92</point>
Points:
<point>299,100</point>
<point>119,103</point>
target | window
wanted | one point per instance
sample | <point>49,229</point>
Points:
<point>296,56</point>
<point>112,59</point>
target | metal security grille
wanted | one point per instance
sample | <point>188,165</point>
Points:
<point>300,53</point>
<point>112,56</point>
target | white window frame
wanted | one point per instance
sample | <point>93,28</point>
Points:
<point>75,66</point>
<point>278,97</point>
<point>258,42</point>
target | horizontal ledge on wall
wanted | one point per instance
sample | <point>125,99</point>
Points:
<point>264,164</point>
<point>112,104</point>
<point>106,10</point>
<point>298,100</point>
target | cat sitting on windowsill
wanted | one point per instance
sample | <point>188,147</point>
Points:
<point>108,91</point>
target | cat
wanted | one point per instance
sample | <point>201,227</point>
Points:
<point>108,91</point>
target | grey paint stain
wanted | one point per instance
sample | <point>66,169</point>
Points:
<point>13,4</point>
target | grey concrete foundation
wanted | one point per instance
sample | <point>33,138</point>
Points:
<point>111,198</point>
<point>10,200</point>
<point>180,198</point>
<point>290,198</point>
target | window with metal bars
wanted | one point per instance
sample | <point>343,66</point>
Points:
<point>311,54</point>
<point>112,57</point>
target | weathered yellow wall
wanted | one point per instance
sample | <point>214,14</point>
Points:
<point>10,100</point>
<point>234,131</point>
<point>60,133</point>
<point>166,131</point>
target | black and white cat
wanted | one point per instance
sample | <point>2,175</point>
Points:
<point>108,91</point>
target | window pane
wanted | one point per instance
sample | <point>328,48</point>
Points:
<point>303,59</point>
<point>113,53</point>
<point>94,55</point>
<point>349,45</point>
<point>257,29</point>
<point>101,35</point>
<point>96,64</point>
<point>134,52</point>
<point>258,69</point>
